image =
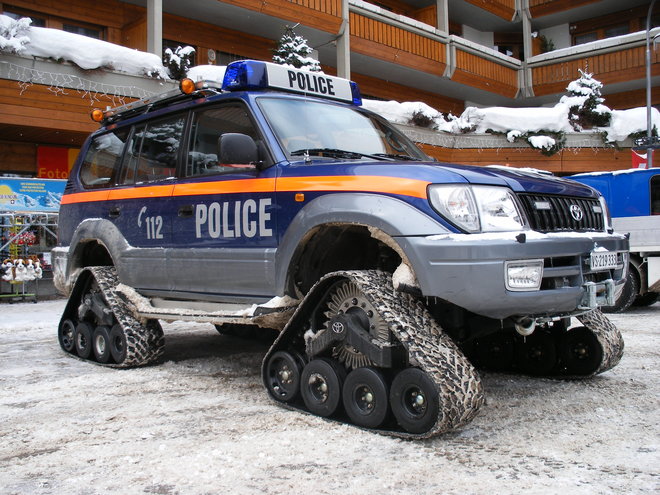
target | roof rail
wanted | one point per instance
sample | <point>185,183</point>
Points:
<point>195,90</point>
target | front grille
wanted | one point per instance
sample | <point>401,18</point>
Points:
<point>553,213</point>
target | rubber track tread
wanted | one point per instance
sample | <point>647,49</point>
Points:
<point>608,336</point>
<point>144,343</point>
<point>429,348</point>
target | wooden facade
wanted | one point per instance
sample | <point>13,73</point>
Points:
<point>566,162</point>
<point>47,116</point>
<point>609,68</point>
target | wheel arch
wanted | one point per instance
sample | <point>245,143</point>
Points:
<point>331,225</point>
<point>95,242</point>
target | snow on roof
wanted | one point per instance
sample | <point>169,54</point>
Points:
<point>207,73</point>
<point>87,53</point>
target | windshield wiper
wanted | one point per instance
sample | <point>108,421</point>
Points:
<point>337,153</point>
<point>397,157</point>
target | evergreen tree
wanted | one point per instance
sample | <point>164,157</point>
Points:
<point>293,50</point>
<point>586,103</point>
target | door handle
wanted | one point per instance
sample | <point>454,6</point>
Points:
<point>114,212</point>
<point>186,211</point>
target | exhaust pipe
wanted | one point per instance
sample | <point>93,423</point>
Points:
<point>525,326</point>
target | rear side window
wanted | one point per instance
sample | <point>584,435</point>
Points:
<point>655,194</point>
<point>207,127</point>
<point>152,151</point>
<point>103,158</point>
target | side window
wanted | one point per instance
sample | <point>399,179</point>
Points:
<point>152,151</point>
<point>207,127</point>
<point>102,159</point>
<point>655,194</point>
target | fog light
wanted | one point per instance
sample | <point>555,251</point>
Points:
<point>524,275</point>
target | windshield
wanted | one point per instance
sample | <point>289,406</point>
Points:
<point>308,127</point>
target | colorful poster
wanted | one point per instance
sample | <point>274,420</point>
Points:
<point>31,195</point>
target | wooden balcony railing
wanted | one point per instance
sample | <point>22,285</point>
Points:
<point>392,43</point>
<point>609,68</point>
<point>332,7</point>
<point>484,73</point>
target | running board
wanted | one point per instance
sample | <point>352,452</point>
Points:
<point>272,314</point>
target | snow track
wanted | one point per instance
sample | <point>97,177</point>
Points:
<point>201,423</point>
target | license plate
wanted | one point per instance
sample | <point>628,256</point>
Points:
<point>603,261</point>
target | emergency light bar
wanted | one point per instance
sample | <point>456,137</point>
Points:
<point>245,75</point>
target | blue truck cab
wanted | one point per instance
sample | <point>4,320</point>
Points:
<point>275,190</point>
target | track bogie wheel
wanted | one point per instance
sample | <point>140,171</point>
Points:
<point>494,352</point>
<point>414,400</point>
<point>580,351</point>
<point>366,397</point>
<point>118,344</point>
<point>536,354</point>
<point>321,385</point>
<point>101,344</point>
<point>66,335</point>
<point>83,339</point>
<point>283,376</point>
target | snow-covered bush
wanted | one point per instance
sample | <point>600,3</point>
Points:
<point>178,62</point>
<point>420,118</point>
<point>585,102</point>
<point>13,34</point>
<point>294,51</point>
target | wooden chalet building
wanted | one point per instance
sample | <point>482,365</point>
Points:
<point>447,53</point>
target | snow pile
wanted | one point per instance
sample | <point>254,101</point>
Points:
<point>543,128</point>
<point>87,53</point>
<point>631,121</point>
<point>13,34</point>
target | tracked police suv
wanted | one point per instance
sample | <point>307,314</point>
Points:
<point>274,201</point>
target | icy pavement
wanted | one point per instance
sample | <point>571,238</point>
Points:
<point>201,424</point>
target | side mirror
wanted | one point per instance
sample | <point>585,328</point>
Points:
<point>235,148</point>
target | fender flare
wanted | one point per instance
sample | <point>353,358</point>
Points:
<point>386,215</point>
<point>96,230</point>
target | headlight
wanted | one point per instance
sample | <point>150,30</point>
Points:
<point>477,208</point>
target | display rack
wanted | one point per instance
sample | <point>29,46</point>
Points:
<point>13,228</point>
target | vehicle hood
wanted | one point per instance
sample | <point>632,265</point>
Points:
<point>519,180</point>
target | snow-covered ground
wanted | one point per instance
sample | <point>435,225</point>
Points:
<point>201,423</point>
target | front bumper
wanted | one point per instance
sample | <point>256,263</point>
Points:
<point>469,270</point>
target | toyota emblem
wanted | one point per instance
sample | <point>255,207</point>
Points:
<point>576,213</point>
<point>338,327</point>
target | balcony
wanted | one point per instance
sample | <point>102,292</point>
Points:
<point>617,62</point>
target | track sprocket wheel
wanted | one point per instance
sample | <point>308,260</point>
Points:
<point>348,299</point>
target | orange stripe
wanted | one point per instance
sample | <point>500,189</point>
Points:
<point>84,197</point>
<point>367,183</point>
<point>141,192</point>
<point>224,187</point>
